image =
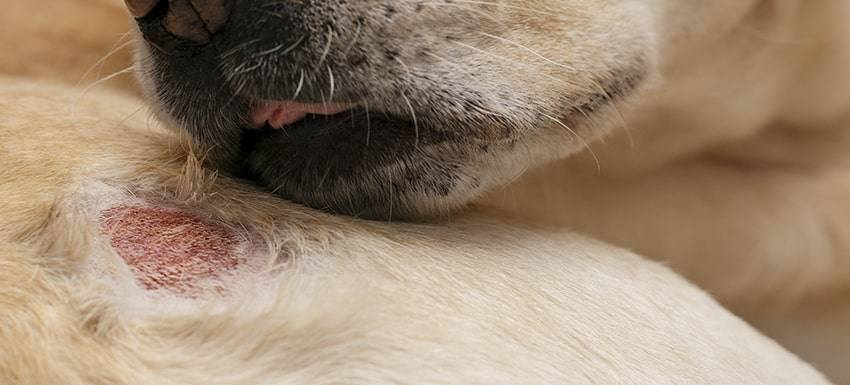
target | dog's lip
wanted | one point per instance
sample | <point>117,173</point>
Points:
<point>279,114</point>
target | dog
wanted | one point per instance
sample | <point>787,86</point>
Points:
<point>125,260</point>
<point>410,109</point>
<point>709,136</point>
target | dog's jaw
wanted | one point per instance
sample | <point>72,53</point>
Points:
<point>386,127</point>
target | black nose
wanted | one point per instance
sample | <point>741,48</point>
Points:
<point>164,22</point>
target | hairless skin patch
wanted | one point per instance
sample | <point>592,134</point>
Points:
<point>172,249</point>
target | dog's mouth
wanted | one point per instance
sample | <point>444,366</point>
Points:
<point>348,158</point>
<point>306,129</point>
<point>315,132</point>
<point>280,114</point>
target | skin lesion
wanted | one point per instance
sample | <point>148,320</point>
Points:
<point>172,249</point>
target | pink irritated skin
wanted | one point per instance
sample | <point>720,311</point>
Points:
<point>281,114</point>
<point>171,249</point>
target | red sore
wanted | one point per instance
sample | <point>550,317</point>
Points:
<point>169,248</point>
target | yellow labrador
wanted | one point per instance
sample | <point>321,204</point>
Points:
<point>726,122</point>
<point>124,260</point>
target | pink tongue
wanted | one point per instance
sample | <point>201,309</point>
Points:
<point>281,114</point>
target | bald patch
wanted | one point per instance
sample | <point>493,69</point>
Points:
<point>172,249</point>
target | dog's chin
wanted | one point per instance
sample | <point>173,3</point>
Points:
<point>365,164</point>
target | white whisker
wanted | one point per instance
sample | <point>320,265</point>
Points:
<point>116,47</point>
<point>105,79</point>
<point>331,80</point>
<point>293,46</point>
<point>583,142</point>
<point>415,122</point>
<point>327,48</point>
<point>300,86</point>
<point>409,104</point>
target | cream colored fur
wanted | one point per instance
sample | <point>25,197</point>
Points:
<point>472,301</point>
<point>735,170</point>
<point>737,157</point>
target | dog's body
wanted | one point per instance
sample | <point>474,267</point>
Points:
<point>321,299</point>
<point>730,161</point>
<point>337,300</point>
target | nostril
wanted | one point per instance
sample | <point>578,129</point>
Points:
<point>140,8</point>
<point>184,20</point>
<point>175,25</point>
<point>214,13</point>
